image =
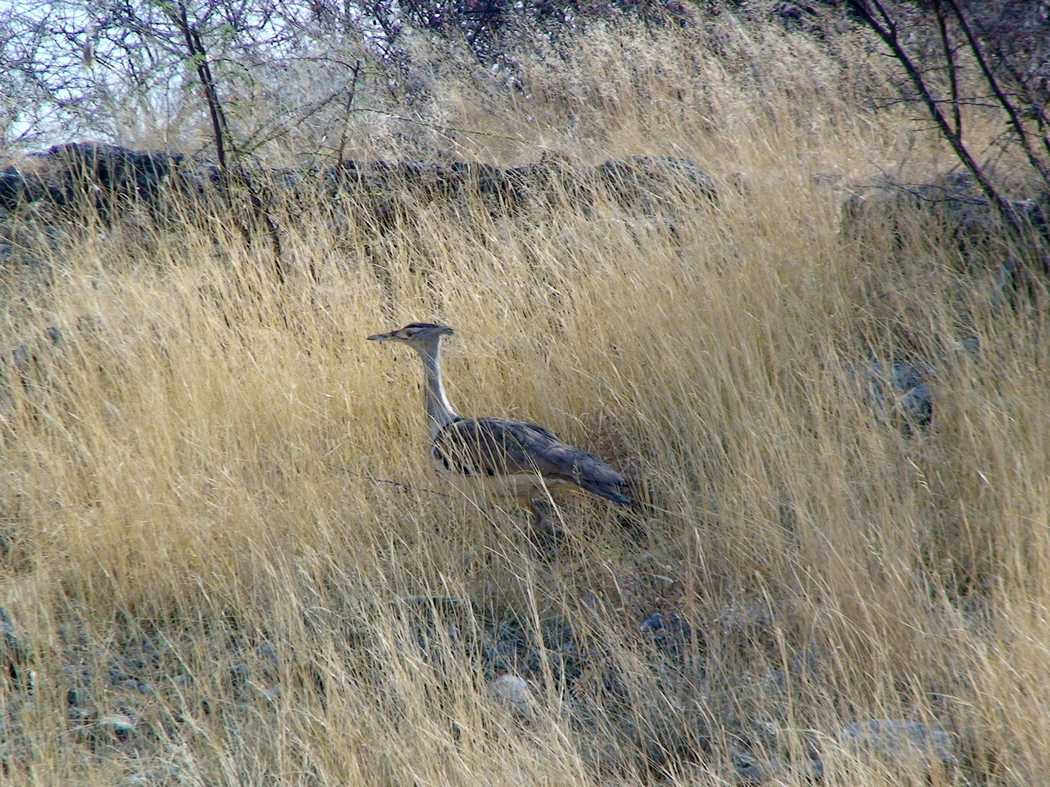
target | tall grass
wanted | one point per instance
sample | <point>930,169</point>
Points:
<point>220,522</point>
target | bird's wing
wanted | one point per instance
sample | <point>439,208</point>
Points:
<point>498,447</point>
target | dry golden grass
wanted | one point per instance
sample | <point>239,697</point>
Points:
<point>219,520</point>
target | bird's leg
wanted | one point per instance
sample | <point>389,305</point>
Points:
<point>546,532</point>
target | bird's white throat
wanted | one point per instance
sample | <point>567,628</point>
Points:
<point>439,411</point>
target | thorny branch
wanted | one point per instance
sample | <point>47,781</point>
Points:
<point>881,22</point>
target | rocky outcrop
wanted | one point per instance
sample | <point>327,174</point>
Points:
<point>107,179</point>
<point>952,205</point>
<point>100,176</point>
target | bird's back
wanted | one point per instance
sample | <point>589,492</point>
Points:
<point>524,456</point>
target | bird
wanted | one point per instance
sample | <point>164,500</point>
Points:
<point>497,454</point>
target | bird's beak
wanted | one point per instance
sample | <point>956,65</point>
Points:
<point>381,337</point>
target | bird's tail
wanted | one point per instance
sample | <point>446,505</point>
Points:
<point>607,491</point>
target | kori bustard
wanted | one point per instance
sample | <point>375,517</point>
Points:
<point>514,457</point>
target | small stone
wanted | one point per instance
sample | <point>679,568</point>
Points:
<point>511,692</point>
<point>119,724</point>
<point>12,645</point>
<point>76,698</point>
<point>660,626</point>
<point>271,694</point>
<point>78,715</point>
<point>266,652</point>
<point>162,774</point>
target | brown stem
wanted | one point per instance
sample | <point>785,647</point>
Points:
<point>953,77</point>
<point>211,96</point>
<point>346,118</point>
<point>221,133</point>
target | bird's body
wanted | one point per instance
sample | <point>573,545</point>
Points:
<point>519,457</point>
<point>497,454</point>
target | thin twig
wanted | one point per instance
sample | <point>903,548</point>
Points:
<point>398,484</point>
<point>346,118</point>
<point>953,77</point>
<point>1011,111</point>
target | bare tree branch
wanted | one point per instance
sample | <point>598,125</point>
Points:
<point>1004,100</point>
<point>951,67</point>
<point>875,15</point>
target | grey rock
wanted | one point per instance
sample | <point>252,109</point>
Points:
<point>512,692</point>
<point>897,390</point>
<point>109,179</point>
<point>650,181</point>
<point>159,774</point>
<point>954,207</point>
<point>952,201</point>
<point>119,724</point>
<point>900,742</point>
<point>749,768</point>
<point>13,647</point>
<point>266,652</point>
<point>76,698</point>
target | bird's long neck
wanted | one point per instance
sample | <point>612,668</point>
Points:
<point>439,411</point>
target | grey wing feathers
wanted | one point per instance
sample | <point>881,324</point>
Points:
<point>498,447</point>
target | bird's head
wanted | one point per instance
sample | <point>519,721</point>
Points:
<point>416,334</point>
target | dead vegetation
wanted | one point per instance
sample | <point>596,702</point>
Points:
<point>216,566</point>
